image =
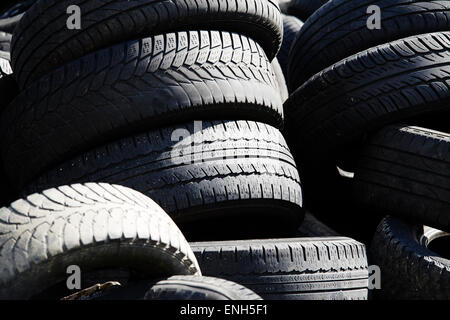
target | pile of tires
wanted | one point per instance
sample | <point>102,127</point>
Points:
<point>179,150</point>
<point>367,124</point>
<point>145,125</point>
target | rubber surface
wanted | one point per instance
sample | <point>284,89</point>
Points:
<point>199,288</point>
<point>339,29</point>
<point>291,269</point>
<point>133,87</point>
<point>409,271</point>
<point>303,9</point>
<point>406,171</point>
<point>291,26</point>
<point>284,93</point>
<point>239,176</point>
<point>338,107</point>
<point>43,42</point>
<point>92,226</point>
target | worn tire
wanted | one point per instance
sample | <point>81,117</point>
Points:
<point>303,9</point>
<point>105,23</point>
<point>131,88</point>
<point>339,30</point>
<point>290,269</point>
<point>409,270</point>
<point>291,26</point>
<point>199,288</point>
<point>405,171</point>
<point>93,226</point>
<point>232,175</point>
<point>338,107</point>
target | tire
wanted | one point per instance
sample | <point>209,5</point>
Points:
<point>337,108</point>
<point>290,269</point>
<point>93,226</point>
<point>112,93</point>
<point>33,55</point>
<point>199,288</point>
<point>409,270</point>
<point>284,94</point>
<point>291,26</point>
<point>218,174</point>
<point>5,41</point>
<point>303,9</point>
<point>339,29</point>
<point>405,171</point>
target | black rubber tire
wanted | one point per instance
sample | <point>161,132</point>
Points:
<point>283,90</point>
<point>290,269</point>
<point>229,171</point>
<point>338,107</point>
<point>291,26</point>
<point>93,226</point>
<point>105,23</point>
<point>199,288</point>
<point>303,9</point>
<point>5,41</point>
<point>409,270</point>
<point>130,88</point>
<point>339,30</point>
<point>405,171</point>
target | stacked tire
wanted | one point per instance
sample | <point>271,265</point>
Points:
<point>178,102</point>
<point>370,101</point>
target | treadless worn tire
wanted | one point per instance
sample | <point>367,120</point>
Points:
<point>339,30</point>
<point>92,226</point>
<point>336,108</point>
<point>42,41</point>
<point>290,269</point>
<point>405,171</point>
<point>238,174</point>
<point>135,86</point>
<point>284,94</point>
<point>409,270</point>
<point>303,9</point>
<point>199,288</point>
<point>291,26</point>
